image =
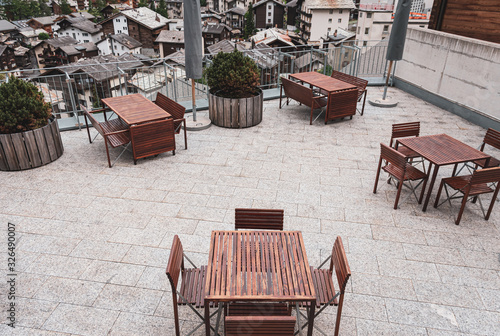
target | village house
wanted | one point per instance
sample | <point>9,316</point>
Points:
<point>213,33</point>
<point>80,29</point>
<point>43,22</point>
<point>170,41</point>
<point>269,13</point>
<point>119,44</point>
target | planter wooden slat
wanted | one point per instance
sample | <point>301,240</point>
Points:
<point>235,113</point>
<point>32,149</point>
<point>226,112</point>
<point>243,108</point>
<point>10,153</point>
<point>21,153</point>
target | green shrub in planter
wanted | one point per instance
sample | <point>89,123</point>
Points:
<point>22,107</point>
<point>233,75</point>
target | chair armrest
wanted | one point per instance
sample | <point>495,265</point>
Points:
<point>100,110</point>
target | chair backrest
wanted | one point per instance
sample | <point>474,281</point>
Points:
<point>92,119</point>
<point>359,82</point>
<point>487,175</point>
<point>297,91</point>
<point>258,309</point>
<point>152,138</point>
<point>339,262</point>
<point>260,325</point>
<point>393,157</point>
<point>405,130</point>
<point>265,219</point>
<point>175,109</point>
<point>175,262</point>
<point>491,138</point>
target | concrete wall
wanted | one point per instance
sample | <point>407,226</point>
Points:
<point>462,70</point>
<point>320,22</point>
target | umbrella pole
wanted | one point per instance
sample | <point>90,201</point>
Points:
<point>387,80</point>
<point>193,91</point>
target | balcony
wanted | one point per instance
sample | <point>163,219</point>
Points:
<point>95,241</point>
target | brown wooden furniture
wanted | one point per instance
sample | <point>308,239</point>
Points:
<point>472,186</point>
<point>176,110</point>
<point>358,82</point>
<point>152,138</point>
<point>253,266</point>
<point>491,138</point>
<point>323,281</point>
<point>441,150</point>
<point>404,130</point>
<point>397,166</point>
<point>259,325</point>
<point>303,95</point>
<point>258,219</point>
<point>257,309</point>
<point>192,283</point>
<point>135,109</point>
<point>329,85</point>
<point>115,131</point>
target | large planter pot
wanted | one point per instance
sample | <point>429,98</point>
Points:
<point>235,112</point>
<point>19,151</point>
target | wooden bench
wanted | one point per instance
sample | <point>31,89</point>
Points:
<point>115,132</point>
<point>303,95</point>
<point>358,82</point>
<point>341,104</point>
<point>176,110</point>
<point>152,138</point>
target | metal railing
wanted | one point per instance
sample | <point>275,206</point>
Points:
<point>66,88</point>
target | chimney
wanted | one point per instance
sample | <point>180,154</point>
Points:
<point>335,34</point>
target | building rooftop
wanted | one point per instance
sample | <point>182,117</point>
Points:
<point>330,4</point>
<point>211,28</point>
<point>126,40</point>
<point>94,242</point>
<point>146,16</point>
<point>46,20</point>
<point>61,41</point>
<point>6,26</point>
<point>261,2</point>
<point>170,36</point>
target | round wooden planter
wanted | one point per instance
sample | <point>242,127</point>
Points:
<point>19,151</point>
<point>235,112</point>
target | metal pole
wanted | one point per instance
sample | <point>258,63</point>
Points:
<point>72,98</point>
<point>387,80</point>
<point>193,92</point>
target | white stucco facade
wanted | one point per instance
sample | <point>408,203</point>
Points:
<point>120,25</point>
<point>325,21</point>
<point>80,35</point>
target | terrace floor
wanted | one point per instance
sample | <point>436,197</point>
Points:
<point>94,242</point>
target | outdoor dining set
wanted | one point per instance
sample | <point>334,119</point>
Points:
<point>255,276</point>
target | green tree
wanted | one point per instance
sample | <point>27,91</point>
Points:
<point>43,36</point>
<point>96,100</point>
<point>162,9</point>
<point>44,8</point>
<point>65,7</point>
<point>203,3</point>
<point>95,9</point>
<point>249,29</point>
<point>143,3</point>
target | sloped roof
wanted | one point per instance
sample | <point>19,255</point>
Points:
<point>236,10</point>
<point>85,15</point>
<point>261,2</point>
<point>61,41</point>
<point>87,26</point>
<point>330,4</point>
<point>272,34</point>
<point>224,46</point>
<point>32,32</point>
<point>126,40</point>
<point>46,20</point>
<point>214,28</point>
<point>3,47</point>
<point>146,17</point>
<point>177,57</point>
<point>170,36</point>
<point>21,23</point>
<point>21,51</point>
<point>6,26</point>
<point>103,67</point>
<point>76,49</point>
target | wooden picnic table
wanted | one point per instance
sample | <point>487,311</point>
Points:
<point>135,109</point>
<point>266,266</point>
<point>323,82</point>
<point>441,150</point>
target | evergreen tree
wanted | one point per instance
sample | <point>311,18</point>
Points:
<point>162,9</point>
<point>143,3</point>
<point>44,8</point>
<point>203,3</point>
<point>65,7</point>
<point>249,29</point>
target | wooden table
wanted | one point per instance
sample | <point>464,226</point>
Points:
<point>441,150</point>
<point>268,266</point>
<point>322,82</point>
<point>135,109</point>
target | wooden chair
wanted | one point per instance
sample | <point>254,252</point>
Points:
<point>260,325</point>
<point>397,166</point>
<point>323,283</point>
<point>258,219</point>
<point>491,138</point>
<point>115,131</point>
<point>303,95</point>
<point>176,110</point>
<point>341,104</point>
<point>471,186</point>
<point>358,82</point>
<point>152,138</point>
<point>404,130</point>
<point>192,289</point>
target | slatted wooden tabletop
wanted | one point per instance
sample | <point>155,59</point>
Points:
<point>441,150</point>
<point>258,266</point>
<point>322,82</point>
<point>135,109</point>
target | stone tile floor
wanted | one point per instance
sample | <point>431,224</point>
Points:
<point>94,241</point>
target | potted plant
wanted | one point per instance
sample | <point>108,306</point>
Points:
<point>29,135</point>
<point>235,99</point>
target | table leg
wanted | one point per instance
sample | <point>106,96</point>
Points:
<point>311,319</point>
<point>207,318</point>
<point>431,186</point>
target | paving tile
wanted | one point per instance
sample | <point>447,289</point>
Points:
<point>453,295</point>
<point>490,298</point>
<point>28,283</point>
<point>384,286</point>
<point>112,272</point>
<point>408,269</point>
<point>135,236</point>
<point>129,299</point>
<point>32,313</point>
<point>69,291</point>
<point>421,314</point>
<point>346,229</point>
<point>467,276</point>
<point>126,219</point>
<point>477,321</point>
<point>59,266</point>
<point>379,328</point>
<point>81,320</point>
<point>178,225</point>
<point>364,306</point>
<point>128,324</point>
<point>145,255</point>
<point>395,234</point>
<point>433,254</point>
<point>93,249</point>
<point>375,247</point>
<point>487,260</point>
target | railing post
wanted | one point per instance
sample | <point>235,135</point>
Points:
<point>166,77</point>
<point>72,98</point>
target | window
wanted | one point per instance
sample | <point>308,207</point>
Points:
<point>331,11</point>
<point>117,20</point>
<point>340,20</point>
<point>329,29</point>
<point>367,30</point>
<point>85,34</point>
<point>269,21</point>
<point>119,31</point>
<point>125,28</point>
<point>386,28</point>
<point>361,14</point>
<point>329,20</point>
<point>269,14</point>
<point>340,11</point>
<point>123,48</point>
<point>124,20</point>
<point>86,41</point>
<point>365,43</point>
<point>359,29</point>
<point>368,15</point>
<point>269,7</point>
<point>116,47</point>
<point>422,26</point>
